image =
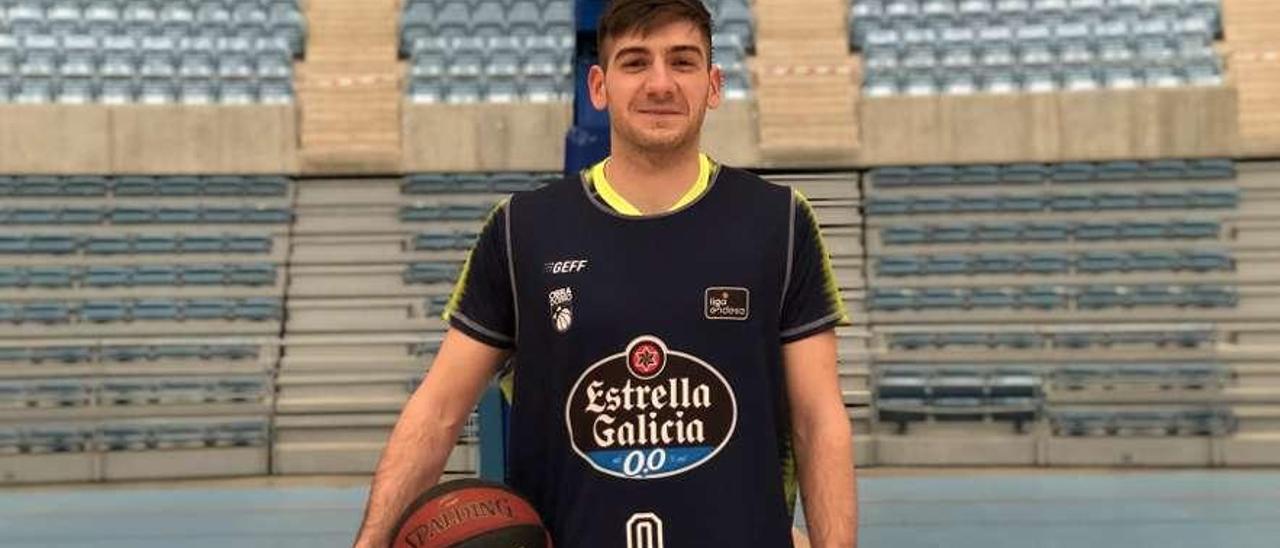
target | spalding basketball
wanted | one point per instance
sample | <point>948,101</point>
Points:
<point>470,513</point>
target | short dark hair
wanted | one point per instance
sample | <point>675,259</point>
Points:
<point>623,17</point>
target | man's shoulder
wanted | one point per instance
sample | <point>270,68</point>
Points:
<point>745,182</point>
<point>556,191</point>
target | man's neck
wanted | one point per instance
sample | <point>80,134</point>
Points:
<point>652,182</point>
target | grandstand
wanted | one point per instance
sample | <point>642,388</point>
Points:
<point>227,228</point>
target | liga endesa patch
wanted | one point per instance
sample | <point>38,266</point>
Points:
<point>650,412</point>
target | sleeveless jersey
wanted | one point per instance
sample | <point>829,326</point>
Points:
<point>649,405</point>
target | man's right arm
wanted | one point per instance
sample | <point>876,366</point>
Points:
<point>427,431</point>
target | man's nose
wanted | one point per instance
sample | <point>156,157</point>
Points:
<point>660,81</point>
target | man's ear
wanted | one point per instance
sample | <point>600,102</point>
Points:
<point>713,91</point>
<point>595,87</point>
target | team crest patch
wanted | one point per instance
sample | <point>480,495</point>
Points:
<point>561,308</point>
<point>650,412</point>
<point>727,303</point>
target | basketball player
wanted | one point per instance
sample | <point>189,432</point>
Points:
<point>669,325</point>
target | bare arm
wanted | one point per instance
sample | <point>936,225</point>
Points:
<point>823,441</point>
<point>426,432</point>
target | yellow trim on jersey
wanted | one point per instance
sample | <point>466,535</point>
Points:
<point>828,273</point>
<point>460,286</point>
<point>621,205</point>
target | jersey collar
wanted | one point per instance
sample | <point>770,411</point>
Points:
<point>619,204</point>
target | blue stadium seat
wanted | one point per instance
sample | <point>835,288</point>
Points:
<point>1042,297</point>
<point>266,185</point>
<point>176,215</point>
<point>946,265</point>
<point>1152,261</point>
<point>1143,230</point>
<point>1004,232</point>
<point>1156,295</point>
<point>104,245</point>
<point>84,186</point>
<point>60,393</point>
<point>155,309</point>
<point>887,206</point>
<point>1096,231</point>
<point>902,386</point>
<point>36,186</point>
<point>1072,172</point>
<point>897,235</point>
<point>951,233</point>
<point>1072,202</point>
<point>58,439</point>
<point>103,311</point>
<point>1210,296</point>
<point>131,215</point>
<point>1165,200</point>
<point>1102,296</point>
<point>1195,229</point>
<point>251,274</point>
<point>45,312</point>
<point>250,433</point>
<point>214,274</point>
<point>930,205</point>
<point>208,309</point>
<point>978,175</point>
<point>155,275</point>
<point>890,299</point>
<point>1046,263</point>
<point>1207,261</point>
<point>13,355</point>
<point>49,276</point>
<point>1116,201</point>
<point>977,204</point>
<point>992,298</point>
<point>941,298</point>
<point>241,389</point>
<point>248,244</point>
<point>123,437</point>
<point>127,392</point>
<point>1045,232</point>
<point>891,177</point>
<point>177,351</point>
<point>178,436</point>
<point>80,216</point>
<point>64,354</point>
<point>1102,261</point>
<point>12,277</point>
<point>1215,199</point>
<point>1081,423</point>
<point>126,353</point>
<point>134,186</point>
<point>33,216</point>
<point>178,186</point>
<point>899,266</point>
<point>155,244</point>
<point>258,309</point>
<point>996,263</point>
<point>203,244</point>
<point>1211,169</point>
<point>1021,204</point>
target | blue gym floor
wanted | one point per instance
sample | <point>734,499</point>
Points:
<point>984,509</point>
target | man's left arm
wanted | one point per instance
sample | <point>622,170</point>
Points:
<point>823,440</point>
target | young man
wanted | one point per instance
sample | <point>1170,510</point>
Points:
<point>670,329</point>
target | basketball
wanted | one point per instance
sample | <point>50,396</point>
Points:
<point>470,513</point>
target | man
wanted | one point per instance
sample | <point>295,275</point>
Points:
<point>672,344</point>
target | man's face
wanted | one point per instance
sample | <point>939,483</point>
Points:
<point>657,87</point>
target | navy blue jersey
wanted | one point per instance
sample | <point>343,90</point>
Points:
<point>649,404</point>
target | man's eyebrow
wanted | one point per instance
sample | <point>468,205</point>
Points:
<point>687,48</point>
<point>633,50</point>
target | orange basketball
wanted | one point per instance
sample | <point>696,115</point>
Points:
<point>470,513</point>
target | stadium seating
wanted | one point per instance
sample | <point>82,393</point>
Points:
<point>141,52</point>
<point>468,52</point>
<point>503,52</point>
<point>931,47</point>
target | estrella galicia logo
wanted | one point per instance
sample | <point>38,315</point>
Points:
<point>650,412</point>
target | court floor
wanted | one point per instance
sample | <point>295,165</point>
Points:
<point>953,509</point>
